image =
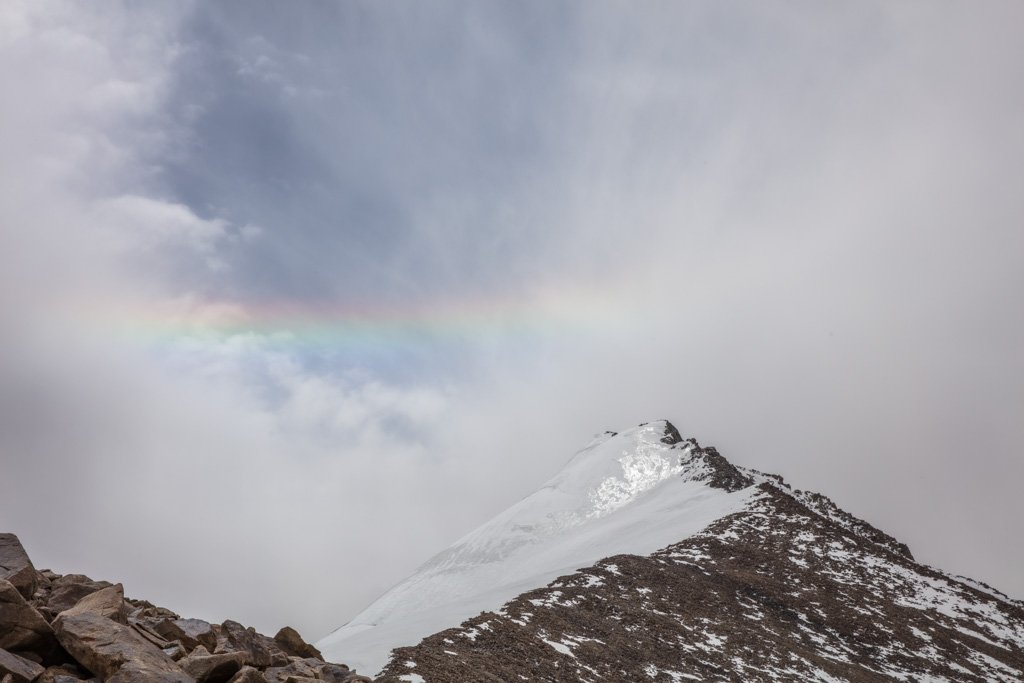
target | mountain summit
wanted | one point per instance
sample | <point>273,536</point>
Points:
<point>693,569</point>
<point>630,492</point>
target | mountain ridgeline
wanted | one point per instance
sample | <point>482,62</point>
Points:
<point>652,558</point>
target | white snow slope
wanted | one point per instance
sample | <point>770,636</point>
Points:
<point>623,493</point>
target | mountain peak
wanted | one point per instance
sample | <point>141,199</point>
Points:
<point>675,542</point>
<point>701,463</point>
<point>633,491</point>
<point>670,435</point>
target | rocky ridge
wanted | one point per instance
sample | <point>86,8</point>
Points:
<point>65,628</point>
<point>789,588</point>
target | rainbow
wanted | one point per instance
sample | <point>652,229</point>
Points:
<point>359,325</point>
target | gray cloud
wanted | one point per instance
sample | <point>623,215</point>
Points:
<point>790,229</point>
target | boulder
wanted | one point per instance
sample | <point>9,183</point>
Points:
<point>191,632</point>
<point>106,602</point>
<point>212,668</point>
<point>131,673</point>
<point>335,673</point>
<point>259,650</point>
<point>289,640</point>
<point>301,670</point>
<point>20,669</point>
<point>248,675</point>
<point>175,650</point>
<point>22,628</point>
<point>297,668</point>
<point>115,652</point>
<point>66,593</point>
<point>16,567</point>
<point>149,634</point>
<point>145,609</point>
<point>43,584</point>
<point>65,673</point>
<point>339,673</point>
<point>64,579</point>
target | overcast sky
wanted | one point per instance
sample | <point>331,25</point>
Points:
<point>292,295</point>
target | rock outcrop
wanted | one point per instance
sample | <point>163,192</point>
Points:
<point>15,566</point>
<point>22,627</point>
<point>289,640</point>
<point>114,651</point>
<point>63,629</point>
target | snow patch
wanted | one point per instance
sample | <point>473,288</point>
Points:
<point>560,647</point>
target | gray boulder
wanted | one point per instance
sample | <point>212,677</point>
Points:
<point>106,602</point>
<point>335,673</point>
<point>65,673</point>
<point>144,630</point>
<point>115,652</point>
<point>339,673</point>
<point>248,675</point>
<point>297,668</point>
<point>16,567</point>
<point>66,591</point>
<point>191,632</point>
<point>260,651</point>
<point>289,640</point>
<point>207,668</point>
<point>21,670</point>
<point>175,650</point>
<point>22,628</point>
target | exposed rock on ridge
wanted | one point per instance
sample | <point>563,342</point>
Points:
<point>705,463</point>
<point>824,506</point>
<point>717,471</point>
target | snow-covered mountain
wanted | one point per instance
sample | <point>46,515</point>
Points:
<point>694,569</point>
<point>624,493</point>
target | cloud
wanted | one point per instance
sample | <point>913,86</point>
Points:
<point>188,469</point>
<point>150,223</point>
<point>790,231</point>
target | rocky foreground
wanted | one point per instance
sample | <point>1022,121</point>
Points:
<point>62,629</point>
